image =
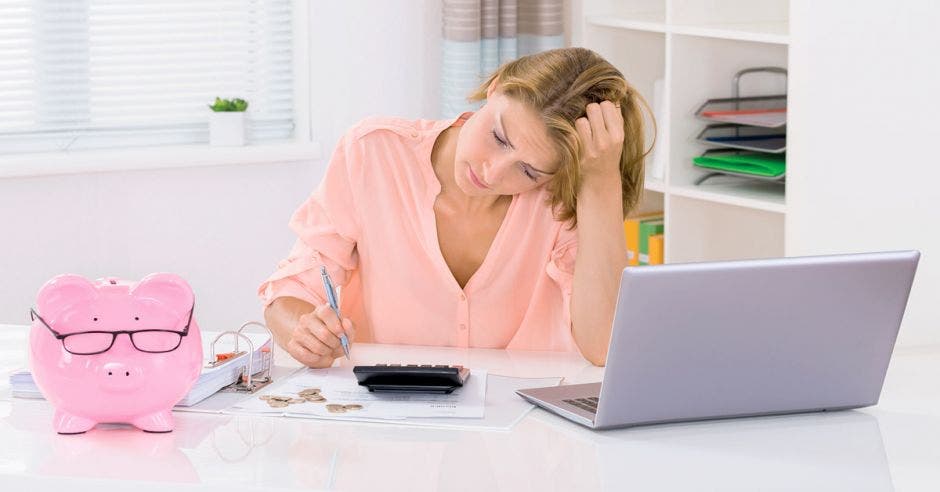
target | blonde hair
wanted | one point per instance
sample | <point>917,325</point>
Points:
<point>559,84</point>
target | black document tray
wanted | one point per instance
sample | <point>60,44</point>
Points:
<point>758,139</point>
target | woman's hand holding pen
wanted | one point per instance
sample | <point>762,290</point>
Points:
<point>315,340</point>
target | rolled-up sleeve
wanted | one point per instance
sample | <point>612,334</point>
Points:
<point>327,232</point>
<point>561,267</point>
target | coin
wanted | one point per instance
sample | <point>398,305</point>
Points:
<point>277,403</point>
<point>309,391</point>
<point>296,400</point>
<point>265,397</point>
<point>314,398</point>
<point>279,398</point>
<point>352,406</point>
<point>335,408</point>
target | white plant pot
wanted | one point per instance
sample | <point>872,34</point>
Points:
<point>227,128</point>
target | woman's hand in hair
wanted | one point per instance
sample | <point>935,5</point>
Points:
<point>602,248</point>
<point>601,133</point>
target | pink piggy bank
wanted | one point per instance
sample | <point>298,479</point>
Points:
<point>114,351</point>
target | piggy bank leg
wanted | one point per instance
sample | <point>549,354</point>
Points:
<point>155,422</point>
<point>66,423</point>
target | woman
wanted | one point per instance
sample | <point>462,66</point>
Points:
<point>500,228</point>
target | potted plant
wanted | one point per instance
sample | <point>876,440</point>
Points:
<point>227,122</point>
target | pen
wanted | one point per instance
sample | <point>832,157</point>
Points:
<point>331,298</point>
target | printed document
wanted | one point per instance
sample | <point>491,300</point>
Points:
<point>335,393</point>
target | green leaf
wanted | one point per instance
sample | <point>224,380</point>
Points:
<point>218,105</point>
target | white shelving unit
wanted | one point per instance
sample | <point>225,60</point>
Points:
<point>696,47</point>
<point>861,133</point>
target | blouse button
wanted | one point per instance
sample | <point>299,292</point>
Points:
<point>414,134</point>
<point>463,297</point>
<point>463,326</point>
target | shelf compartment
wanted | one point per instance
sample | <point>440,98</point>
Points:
<point>757,195</point>
<point>762,21</point>
<point>700,230</point>
<point>703,69</point>
<point>649,23</point>
<point>758,32</point>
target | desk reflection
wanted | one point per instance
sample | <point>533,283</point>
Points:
<point>235,441</point>
<point>820,451</point>
<point>108,451</point>
<point>373,457</point>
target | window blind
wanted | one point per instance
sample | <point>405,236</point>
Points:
<point>78,74</point>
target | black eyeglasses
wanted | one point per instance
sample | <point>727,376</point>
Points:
<point>97,342</point>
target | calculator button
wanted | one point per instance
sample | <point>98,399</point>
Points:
<point>441,365</point>
<point>394,365</point>
<point>425,365</point>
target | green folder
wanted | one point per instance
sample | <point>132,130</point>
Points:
<point>647,229</point>
<point>770,165</point>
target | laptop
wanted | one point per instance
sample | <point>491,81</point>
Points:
<point>726,339</point>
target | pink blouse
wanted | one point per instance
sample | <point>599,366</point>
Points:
<point>371,222</point>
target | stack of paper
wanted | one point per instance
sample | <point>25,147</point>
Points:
<point>338,386</point>
<point>210,380</point>
<point>22,385</point>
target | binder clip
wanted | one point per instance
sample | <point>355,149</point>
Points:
<point>249,380</point>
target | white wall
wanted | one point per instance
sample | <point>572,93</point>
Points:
<point>223,228</point>
<point>864,172</point>
<point>375,57</point>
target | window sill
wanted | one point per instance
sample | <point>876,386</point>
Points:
<point>163,157</point>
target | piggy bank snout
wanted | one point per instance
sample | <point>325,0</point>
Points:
<point>118,376</point>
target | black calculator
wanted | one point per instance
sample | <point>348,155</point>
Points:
<point>411,378</point>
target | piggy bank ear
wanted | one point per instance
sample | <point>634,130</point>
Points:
<point>64,291</point>
<point>167,288</point>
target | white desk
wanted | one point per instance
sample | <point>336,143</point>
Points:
<point>893,446</point>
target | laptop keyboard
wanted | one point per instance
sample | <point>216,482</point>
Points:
<point>589,404</point>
